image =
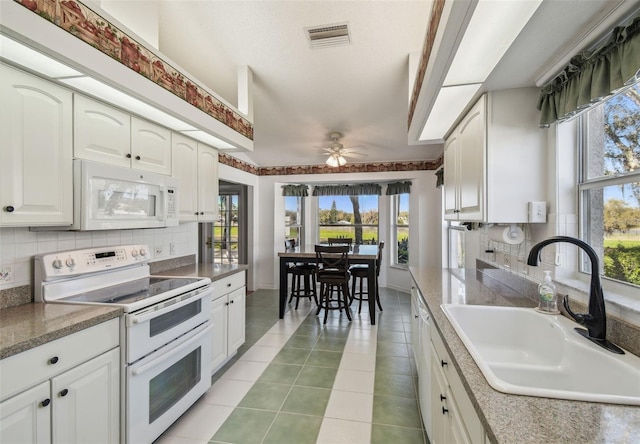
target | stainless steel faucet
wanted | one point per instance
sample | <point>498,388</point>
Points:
<point>596,319</point>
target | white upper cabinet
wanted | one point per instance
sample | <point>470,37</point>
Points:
<point>36,151</point>
<point>150,147</point>
<point>196,165</point>
<point>105,134</point>
<point>101,132</point>
<point>494,160</point>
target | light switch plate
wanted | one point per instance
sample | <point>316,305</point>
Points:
<point>537,212</point>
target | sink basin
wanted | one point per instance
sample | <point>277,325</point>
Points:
<point>521,351</point>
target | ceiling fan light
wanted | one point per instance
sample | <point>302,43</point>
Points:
<point>332,161</point>
<point>341,160</point>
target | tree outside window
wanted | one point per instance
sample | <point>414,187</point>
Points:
<point>354,217</point>
<point>610,185</point>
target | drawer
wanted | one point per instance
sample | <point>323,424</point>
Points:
<point>441,351</point>
<point>228,284</point>
<point>31,367</point>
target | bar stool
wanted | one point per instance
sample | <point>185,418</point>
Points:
<point>359,272</point>
<point>332,272</point>
<point>305,274</point>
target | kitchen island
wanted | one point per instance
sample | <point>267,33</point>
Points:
<point>514,418</point>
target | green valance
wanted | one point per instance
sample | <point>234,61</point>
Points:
<point>593,75</point>
<point>440,177</point>
<point>358,189</point>
<point>295,190</point>
<point>398,188</point>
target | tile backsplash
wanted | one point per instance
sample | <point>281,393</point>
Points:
<point>18,246</point>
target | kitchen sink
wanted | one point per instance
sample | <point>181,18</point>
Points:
<point>521,351</point>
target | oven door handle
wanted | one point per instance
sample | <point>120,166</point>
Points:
<point>150,314</point>
<point>177,348</point>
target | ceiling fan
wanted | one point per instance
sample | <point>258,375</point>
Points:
<point>337,152</point>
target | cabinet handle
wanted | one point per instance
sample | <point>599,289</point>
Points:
<point>445,411</point>
<point>229,284</point>
<point>45,403</point>
<point>196,213</point>
<point>128,155</point>
<point>137,157</point>
<point>442,397</point>
<point>226,303</point>
<point>64,392</point>
<point>9,209</point>
<point>202,213</point>
<point>53,360</point>
<point>415,316</point>
<point>443,363</point>
<point>232,302</point>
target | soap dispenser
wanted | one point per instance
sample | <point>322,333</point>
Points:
<point>548,302</point>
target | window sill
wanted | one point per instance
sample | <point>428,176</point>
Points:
<point>399,266</point>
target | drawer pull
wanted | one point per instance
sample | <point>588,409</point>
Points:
<point>443,363</point>
<point>442,397</point>
<point>45,403</point>
<point>229,284</point>
<point>54,360</point>
<point>445,411</point>
<point>9,209</point>
<point>64,392</point>
<point>232,302</point>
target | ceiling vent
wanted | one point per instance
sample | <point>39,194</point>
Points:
<point>328,35</point>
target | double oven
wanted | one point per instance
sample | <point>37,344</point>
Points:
<point>165,333</point>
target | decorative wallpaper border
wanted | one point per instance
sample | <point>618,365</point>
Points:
<point>429,40</point>
<point>82,22</point>
<point>378,167</point>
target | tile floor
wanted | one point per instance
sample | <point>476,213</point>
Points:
<point>298,381</point>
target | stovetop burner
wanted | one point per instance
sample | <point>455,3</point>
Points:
<point>133,291</point>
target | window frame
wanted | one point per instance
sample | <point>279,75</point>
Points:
<point>395,226</point>
<point>300,225</point>
<point>583,187</point>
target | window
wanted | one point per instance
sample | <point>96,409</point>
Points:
<point>400,228</point>
<point>225,230</point>
<point>293,223</point>
<point>610,185</point>
<point>355,217</point>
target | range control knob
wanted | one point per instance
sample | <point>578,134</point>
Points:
<point>57,264</point>
<point>70,262</point>
<point>134,253</point>
<point>143,252</point>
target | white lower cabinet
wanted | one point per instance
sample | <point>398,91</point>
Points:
<point>65,391</point>
<point>453,417</point>
<point>228,317</point>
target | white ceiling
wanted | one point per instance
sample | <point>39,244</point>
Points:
<point>301,95</point>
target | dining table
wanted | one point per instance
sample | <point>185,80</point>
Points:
<point>358,254</point>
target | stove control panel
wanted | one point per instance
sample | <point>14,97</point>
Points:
<point>77,262</point>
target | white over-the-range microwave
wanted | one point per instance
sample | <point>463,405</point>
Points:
<point>107,197</point>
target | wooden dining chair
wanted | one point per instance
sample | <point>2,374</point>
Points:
<point>340,241</point>
<point>332,272</point>
<point>359,272</point>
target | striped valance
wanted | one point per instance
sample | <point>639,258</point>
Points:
<point>295,190</point>
<point>358,189</point>
<point>398,188</point>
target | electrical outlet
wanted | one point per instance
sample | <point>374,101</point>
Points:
<point>172,248</point>
<point>158,251</point>
<point>6,274</point>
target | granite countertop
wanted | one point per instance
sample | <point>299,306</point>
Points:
<point>29,325</point>
<point>212,271</point>
<point>515,418</point>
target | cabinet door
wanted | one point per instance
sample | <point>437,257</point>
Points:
<point>86,401</point>
<point>219,320</point>
<point>150,147</point>
<point>184,166</point>
<point>472,163</point>
<point>440,421</point>
<point>236,319</point>
<point>451,185</point>
<point>207,183</point>
<point>36,155</point>
<point>101,133</point>
<point>26,418</point>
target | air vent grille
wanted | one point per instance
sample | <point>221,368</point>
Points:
<point>329,35</point>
